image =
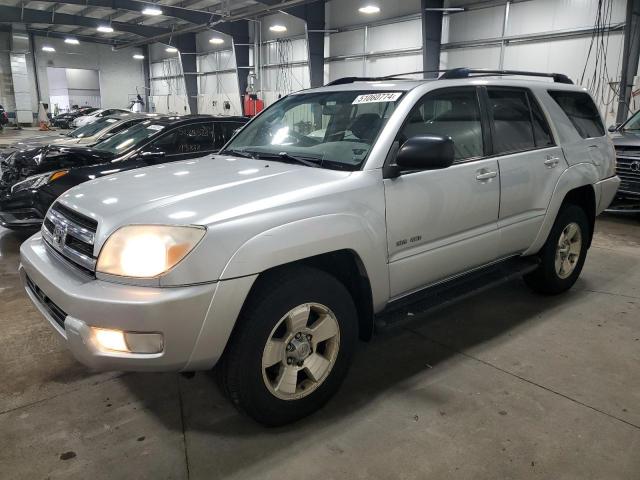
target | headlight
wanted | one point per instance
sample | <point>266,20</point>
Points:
<point>37,181</point>
<point>145,251</point>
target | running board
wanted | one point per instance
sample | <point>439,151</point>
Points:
<point>454,290</point>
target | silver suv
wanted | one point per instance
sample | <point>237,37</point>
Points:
<point>331,209</point>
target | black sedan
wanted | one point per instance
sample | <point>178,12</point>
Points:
<point>31,180</point>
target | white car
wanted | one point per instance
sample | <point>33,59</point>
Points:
<point>270,259</point>
<point>93,116</point>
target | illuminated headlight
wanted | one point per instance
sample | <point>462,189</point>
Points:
<point>37,181</point>
<point>146,251</point>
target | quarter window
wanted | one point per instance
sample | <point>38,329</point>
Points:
<point>582,112</point>
<point>452,113</point>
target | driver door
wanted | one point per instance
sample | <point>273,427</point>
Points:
<point>443,222</point>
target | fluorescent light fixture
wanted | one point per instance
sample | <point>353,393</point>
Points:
<point>138,56</point>
<point>171,50</point>
<point>105,29</point>
<point>71,41</point>
<point>153,11</point>
<point>216,40</point>
<point>369,9</point>
<point>445,9</point>
<point>278,28</point>
<point>48,48</point>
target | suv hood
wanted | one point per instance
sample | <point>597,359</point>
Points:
<point>202,191</point>
<point>626,139</point>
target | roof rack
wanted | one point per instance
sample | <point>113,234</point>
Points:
<point>468,72</point>
<point>456,73</point>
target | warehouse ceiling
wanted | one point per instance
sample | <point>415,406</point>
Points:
<point>79,18</point>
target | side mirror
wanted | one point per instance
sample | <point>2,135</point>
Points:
<point>425,152</point>
<point>614,128</point>
<point>153,156</point>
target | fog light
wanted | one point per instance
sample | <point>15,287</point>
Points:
<point>129,342</point>
<point>110,339</point>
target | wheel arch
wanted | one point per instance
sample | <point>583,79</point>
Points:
<point>576,186</point>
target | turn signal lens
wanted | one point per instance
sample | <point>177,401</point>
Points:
<point>146,251</point>
<point>58,174</point>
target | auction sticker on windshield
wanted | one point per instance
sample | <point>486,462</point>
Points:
<point>157,128</point>
<point>377,97</point>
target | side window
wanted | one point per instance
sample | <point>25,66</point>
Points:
<point>167,143</point>
<point>541,130</point>
<point>196,137</point>
<point>582,112</point>
<point>512,125</point>
<point>224,131</point>
<point>453,113</point>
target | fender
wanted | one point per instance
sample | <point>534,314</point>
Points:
<point>314,236</point>
<point>577,175</point>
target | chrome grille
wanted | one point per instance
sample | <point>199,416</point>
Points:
<point>71,235</point>
<point>628,169</point>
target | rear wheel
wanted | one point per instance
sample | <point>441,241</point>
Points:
<point>292,346</point>
<point>562,256</point>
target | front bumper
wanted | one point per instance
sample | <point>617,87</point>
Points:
<point>24,218</point>
<point>195,321</point>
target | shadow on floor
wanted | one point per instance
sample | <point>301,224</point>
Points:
<point>382,367</point>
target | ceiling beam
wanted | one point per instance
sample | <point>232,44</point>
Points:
<point>83,38</point>
<point>190,15</point>
<point>25,15</point>
<point>223,24</point>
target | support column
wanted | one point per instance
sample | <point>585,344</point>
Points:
<point>314,15</point>
<point>630,55</point>
<point>240,34</point>
<point>431,36</point>
<point>146,72</point>
<point>186,44</point>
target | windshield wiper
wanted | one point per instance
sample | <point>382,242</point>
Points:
<point>287,157</point>
<point>239,153</point>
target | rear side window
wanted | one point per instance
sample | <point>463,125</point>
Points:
<point>512,124</point>
<point>582,112</point>
<point>541,130</point>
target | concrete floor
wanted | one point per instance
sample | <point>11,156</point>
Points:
<point>9,135</point>
<point>504,385</point>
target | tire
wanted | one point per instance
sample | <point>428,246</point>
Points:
<point>273,314</point>
<point>548,279</point>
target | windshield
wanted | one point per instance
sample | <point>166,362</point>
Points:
<point>129,138</point>
<point>329,129</point>
<point>633,123</point>
<point>92,128</point>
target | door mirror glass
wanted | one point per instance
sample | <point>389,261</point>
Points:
<point>426,152</point>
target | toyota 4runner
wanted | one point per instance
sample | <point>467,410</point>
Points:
<point>331,209</point>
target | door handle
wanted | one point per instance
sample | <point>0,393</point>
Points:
<point>484,175</point>
<point>551,162</point>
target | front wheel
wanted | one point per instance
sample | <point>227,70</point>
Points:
<point>562,256</point>
<point>292,346</point>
